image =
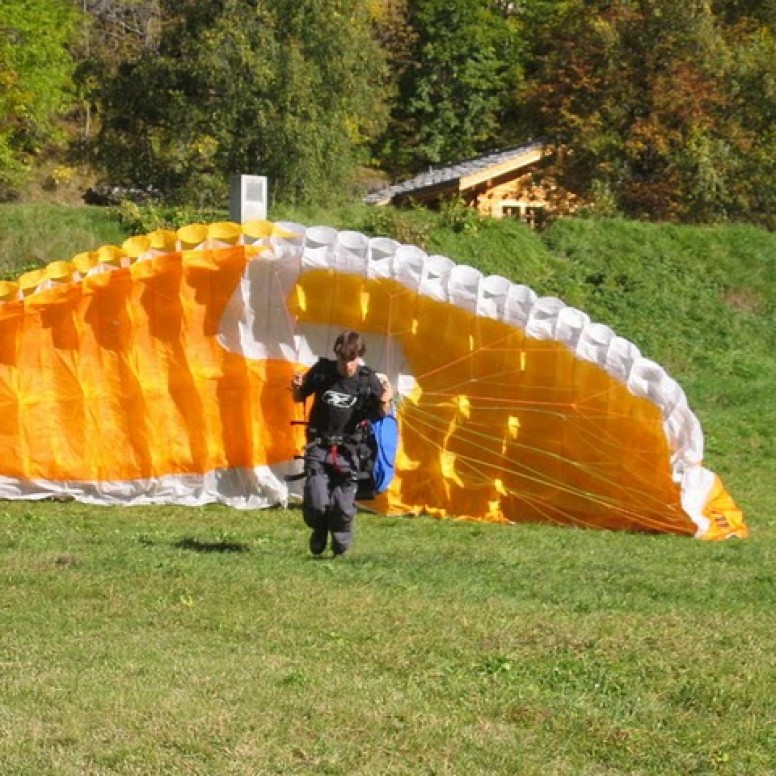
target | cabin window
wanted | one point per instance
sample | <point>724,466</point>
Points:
<point>533,214</point>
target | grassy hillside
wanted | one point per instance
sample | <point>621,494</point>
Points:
<point>205,641</point>
<point>32,235</point>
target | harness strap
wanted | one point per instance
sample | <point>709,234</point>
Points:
<point>333,451</point>
<point>329,441</point>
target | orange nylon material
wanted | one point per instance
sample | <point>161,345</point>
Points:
<point>121,376</point>
<point>584,451</point>
<point>727,520</point>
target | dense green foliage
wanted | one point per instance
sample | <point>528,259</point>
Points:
<point>662,109</point>
<point>666,106</point>
<point>287,89</point>
<point>455,97</point>
<point>36,67</point>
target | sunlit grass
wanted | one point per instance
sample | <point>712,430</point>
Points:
<point>33,235</point>
<point>172,640</point>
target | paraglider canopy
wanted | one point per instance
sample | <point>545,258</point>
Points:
<point>157,372</point>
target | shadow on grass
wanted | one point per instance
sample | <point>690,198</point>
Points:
<point>197,545</point>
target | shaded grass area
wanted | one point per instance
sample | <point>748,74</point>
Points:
<point>207,641</point>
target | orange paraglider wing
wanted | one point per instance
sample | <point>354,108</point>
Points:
<point>159,372</point>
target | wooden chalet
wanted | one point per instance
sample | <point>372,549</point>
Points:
<point>512,183</point>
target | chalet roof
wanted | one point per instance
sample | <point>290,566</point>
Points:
<point>462,175</point>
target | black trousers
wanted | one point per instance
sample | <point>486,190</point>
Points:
<point>329,494</point>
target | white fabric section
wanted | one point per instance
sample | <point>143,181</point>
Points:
<point>320,236</point>
<point>543,318</point>
<point>682,427</point>
<point>519,303</point>
<point>256,321</point>
<point>492,297</point>
<point>382,247</point>
<point>288,243</point>
<point>351,252</point>
<point>696,489</point>
<point>433,279</point>
<point>571,324</point>
<point>646,378</point>
<point>593,343</point>
<point>620,357</point>
<point>409,266</point>
<point>318,246</point>
<point>381,260</point>
<point>661,389</point>
<point>463,287</point>
<point>240,488</point>
<point>288,233</point>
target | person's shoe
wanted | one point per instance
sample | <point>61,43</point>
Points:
<point>318,542</point>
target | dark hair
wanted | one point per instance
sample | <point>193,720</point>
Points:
<point>349,346</point>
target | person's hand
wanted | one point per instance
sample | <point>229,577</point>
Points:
<point>296,386</point>
<point>387,395</point>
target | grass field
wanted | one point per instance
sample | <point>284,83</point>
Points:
<point>207,641</point>
<point>169,640</point>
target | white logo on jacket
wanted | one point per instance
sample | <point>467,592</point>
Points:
<point>341,400</point>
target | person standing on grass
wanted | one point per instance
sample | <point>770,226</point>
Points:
<point>346,392</point>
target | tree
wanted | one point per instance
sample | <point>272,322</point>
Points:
<point>456,93</point>
<point>751,82</point>
<point>36,67</point>
<point>288,89</point>
<point>117,31</point>
<point>647,96</point>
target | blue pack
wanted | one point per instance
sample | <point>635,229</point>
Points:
<point>386,433</point>
<point>377,455</point>
<point>376,452</point>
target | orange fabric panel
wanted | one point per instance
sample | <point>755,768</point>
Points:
<point>727,520</point>
<point>120,376</point>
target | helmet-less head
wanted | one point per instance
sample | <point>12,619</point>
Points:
<point>349,348</point>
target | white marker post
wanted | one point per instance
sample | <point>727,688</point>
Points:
<point>247,198</point>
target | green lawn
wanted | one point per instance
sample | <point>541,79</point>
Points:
<point>206,641</point>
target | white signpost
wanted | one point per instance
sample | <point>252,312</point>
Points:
<point>247,198</point>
